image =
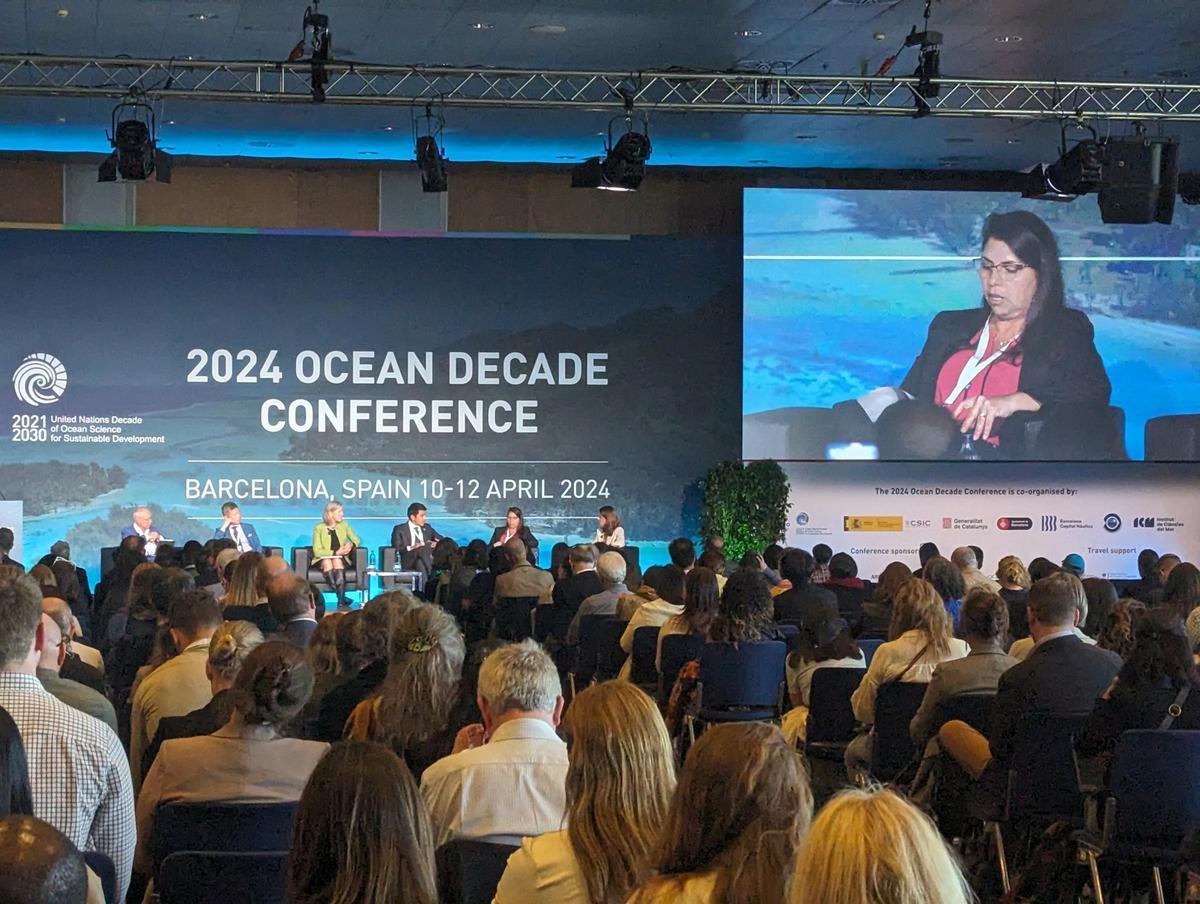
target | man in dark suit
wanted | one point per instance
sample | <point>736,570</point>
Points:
<point>570,592</point>
<point>7,539</point>
<point>62,550</point>
<point>1060,679</point>
<point>806,603</point>
<point>414,541</point>
<point>293,608</point>
<point>240,532</point>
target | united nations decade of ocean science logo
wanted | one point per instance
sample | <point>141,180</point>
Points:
<point>40,379</point>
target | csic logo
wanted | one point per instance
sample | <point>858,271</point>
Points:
<point>40,379</point>
<point>1143,522</point>
<point>802,519</point>
<point>1112,522</point>
<point>918,522</point>
<point>1050,523</point>
<point>1014,523</point>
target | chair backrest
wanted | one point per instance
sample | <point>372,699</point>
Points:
<point>868,647</point>
<point>742,675</point>
<point>609,655</point>
<point>513,620</point>
<point>221,827</point>
<point>102,866</point>
<point>896,703</point>
<point>588,651</point>
<point>645,649</point>
<point>106,558</point>
<point>469,871</point>
<point>1155,784</point>
<point>830,716</point>
<point>974,709</point>
<point>200,877</point>
<point>677,650</point>
<point>791,635</point>
<point>1043,780</point>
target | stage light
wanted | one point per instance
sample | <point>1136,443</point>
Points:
<point>929,62</point>
<point>135,156</point>
<point>623,166</point>
<point>430,153</point>
<point>317,40</point>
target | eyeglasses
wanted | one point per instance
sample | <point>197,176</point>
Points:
<point>1006,269</point>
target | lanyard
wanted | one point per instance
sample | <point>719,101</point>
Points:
<point>978,363</point>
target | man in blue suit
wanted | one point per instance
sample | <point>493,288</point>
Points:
<point>233,528</point>
<point>143,526</point>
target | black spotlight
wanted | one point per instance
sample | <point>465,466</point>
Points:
<point>623,166</point>
<point>431,154</point>
<point>135,156</point>
<point>317,41</point>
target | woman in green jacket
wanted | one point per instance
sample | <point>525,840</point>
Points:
<point>334,542</point>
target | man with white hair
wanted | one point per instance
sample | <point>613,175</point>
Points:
<point>143,526</point>
<point>965,561</point>
<point>506,778</point>
<point>611,568</point>
<point>56,625</point>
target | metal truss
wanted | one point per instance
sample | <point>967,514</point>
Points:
<point>671,91</point>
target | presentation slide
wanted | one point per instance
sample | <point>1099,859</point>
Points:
<point>909,325</point>
<point>185,370</point>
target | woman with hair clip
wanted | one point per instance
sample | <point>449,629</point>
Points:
<point>609,532</point>
<point>414,709</point>
<point>334,543</point>
<point>620,777</point>
<point>247,759</point>
<point>738,816</point>
<point>362,834</point>
<point>514,528</point>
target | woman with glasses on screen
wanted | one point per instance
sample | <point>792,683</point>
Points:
<point>1021,352</point>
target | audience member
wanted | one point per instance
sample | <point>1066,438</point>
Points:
<point>1061,678</point>
<point>967,562</point>
<point>77,767</point>
<point>682,552</point>
<point>846,585</point>
<point>1120,627</point>
<point>90,672</point>
<point>135,604</point>
<point>570,592</point>
<point>473,561</point>
<point>874,846</point>
<point>54,654</point>
<point>362,834</point>
<point>246,759</point>
<point>247,597</point>
<point>414,710</point>
<point>745,614</point>
<point>505,778</point>
<point>1158,687</point>
<point>655,613</point>
<point>524,579</point>
<point>804,601</point>
<point>379,620</point>
<point>949,583</point>
<point>701,599</point>
<point>620,777</point>
<point>925,552</point>
<point>646,590</point>
<point>1041,567</point>
<point>15,796</point>
<point>1014,582</point>
<point>290,600</point>
<point>825,643</point>
<point>1101,594</point>
<point>738,816</point>
<point>921,638</point>
<point>877,609</point>
<point>1022,648</point>
<point>228,648</point>
<point>611,569</point>
<point>41,865</point>
<point>328,665</point>
<point>985,627</point>
<point>1166,564</point>
<point>180,685</point>
<point>478,607</point>
<point>1149,581</point>
<point>1074,564</point>
<point>821,554</point>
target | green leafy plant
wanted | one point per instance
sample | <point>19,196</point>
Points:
<point>746,504</point>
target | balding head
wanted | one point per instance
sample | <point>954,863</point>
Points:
<point>288,597</point>
<point>268,569</point>
<point>41,865</point>
<point>54,650</point>
<point>964,557</point>
<point>60,614</point>
<point>517,548</point>
<point>1166,564</point>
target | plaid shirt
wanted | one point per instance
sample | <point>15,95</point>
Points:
<point>820,575</point>
<point>77,770</point>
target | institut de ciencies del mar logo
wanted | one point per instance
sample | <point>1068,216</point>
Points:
<point>40,379</point>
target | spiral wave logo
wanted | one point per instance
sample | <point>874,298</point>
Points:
<point>40,379</point>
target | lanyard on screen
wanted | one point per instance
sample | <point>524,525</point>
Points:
<point>978,363</point>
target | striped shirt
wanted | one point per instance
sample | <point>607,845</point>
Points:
<point>77,770</point>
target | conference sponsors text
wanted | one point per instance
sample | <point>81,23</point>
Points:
<point>362,368</point>
<point>81,428</point>
<point>263,489</point>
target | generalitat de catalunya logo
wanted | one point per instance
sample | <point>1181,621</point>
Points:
<point>40,379</point>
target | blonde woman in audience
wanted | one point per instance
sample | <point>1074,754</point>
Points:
<point>227,650</point>
<point>247,759</point>
<point>322,648</point>
<point>873,846</point>
<point>1015,582</point>
<point>738,816</point>
<point>412,712</point>
<point>921,636</point>
<point>362,833</point>
<point>243,590</point>
<point>619,784</point>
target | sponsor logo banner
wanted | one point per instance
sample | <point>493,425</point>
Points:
<point>872,523</point>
